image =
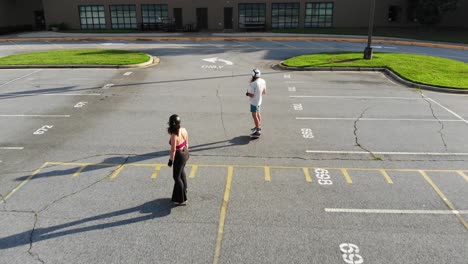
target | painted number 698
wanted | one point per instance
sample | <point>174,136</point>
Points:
<point>351,255</point>
<point>323,176</point>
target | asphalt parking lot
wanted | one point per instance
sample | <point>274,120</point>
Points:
<point>351,167</point>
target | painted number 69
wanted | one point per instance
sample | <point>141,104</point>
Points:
<point>42,130</point>
<point>307,133</point>
<point>351,255</point>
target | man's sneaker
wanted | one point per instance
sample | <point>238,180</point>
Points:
<point>253,129</point>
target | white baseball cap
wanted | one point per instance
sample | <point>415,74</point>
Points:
<point>256,72</point>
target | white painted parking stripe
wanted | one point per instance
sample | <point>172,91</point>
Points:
<point>127,73</point>
<point>107,86</point>
<point>59,94</point>
<point>388,153</point>
<point>34,115</point>
<point>90,94</point>
<point>12,148</point>
<point>448,110</point>
<point>354,97</point>
<point>377,119</point>
<point>393,211</point>
<point>19,78</point>
<point>283,44</point>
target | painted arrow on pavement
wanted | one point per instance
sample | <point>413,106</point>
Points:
<point>215,59</point>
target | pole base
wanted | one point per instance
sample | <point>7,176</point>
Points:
<point>368,53</point>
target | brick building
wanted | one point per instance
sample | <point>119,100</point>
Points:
<point>212,14</point>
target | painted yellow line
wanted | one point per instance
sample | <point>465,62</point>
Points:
<point>144,164</point>
<point>444,198</point>
<point>19,46</point>
<point>386,176</point>
<point>249,166</point>
<point>82,164</point>
<point>267,174</point>
<point>463,175</point>
<point>78,171</point>
<point>307,174</point>
<point>222,217</point>
<point>346,175</point>
<point>247,44</point>
<point>193,171</point>
<point>22,183</point>
<point>117,171</point>
<point>157,168</point>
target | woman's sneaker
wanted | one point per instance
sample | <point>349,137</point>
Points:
<point>257,133</point>
<point>255,129</point>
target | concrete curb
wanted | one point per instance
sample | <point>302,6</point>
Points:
<point>391,74</point>
<point>152,61</point>
<point>221,38</point>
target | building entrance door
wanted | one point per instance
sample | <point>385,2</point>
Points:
<point>39,20</point>
<point>178,18</point>
<point>202,18</point>
<point>228,18</point>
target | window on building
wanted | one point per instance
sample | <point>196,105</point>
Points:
<point>92,17</point>
<point>154,14</point>
<point>285,15</point>
<point>252,15</point>
<point>318,15</point>
<point>123,17</point>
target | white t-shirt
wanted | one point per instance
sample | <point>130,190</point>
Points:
<point>256,88</point>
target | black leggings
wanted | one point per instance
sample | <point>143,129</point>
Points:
<point>179,194</point>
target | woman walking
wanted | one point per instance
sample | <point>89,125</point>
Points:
<point>178,158</point>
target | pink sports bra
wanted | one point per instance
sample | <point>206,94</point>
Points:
<point>181,145</point>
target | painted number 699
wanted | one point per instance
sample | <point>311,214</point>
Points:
<point>351,255</point>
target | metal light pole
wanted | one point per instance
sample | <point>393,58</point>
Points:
<point>368,49</point>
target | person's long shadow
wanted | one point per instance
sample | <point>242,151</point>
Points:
<point>150,210</point>
<point>116,161</point>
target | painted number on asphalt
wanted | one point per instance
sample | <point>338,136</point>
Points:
<point>350,253</point>
<point>323,177</point>
<point>298,107</point>
<point>42,130</point>
<point>307,132</point>
<point>80,104</point>
<point>292,88</point>
<point>287,76</point>
<point>216,67</point>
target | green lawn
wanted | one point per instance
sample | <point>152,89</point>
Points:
<point>77,57</point>
<point>417,68</point>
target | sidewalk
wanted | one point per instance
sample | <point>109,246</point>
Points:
<point>207,36</point>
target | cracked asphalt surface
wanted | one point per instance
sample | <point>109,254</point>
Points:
<point>94,188</point>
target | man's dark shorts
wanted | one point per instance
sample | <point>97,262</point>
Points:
<point>254,108</point>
